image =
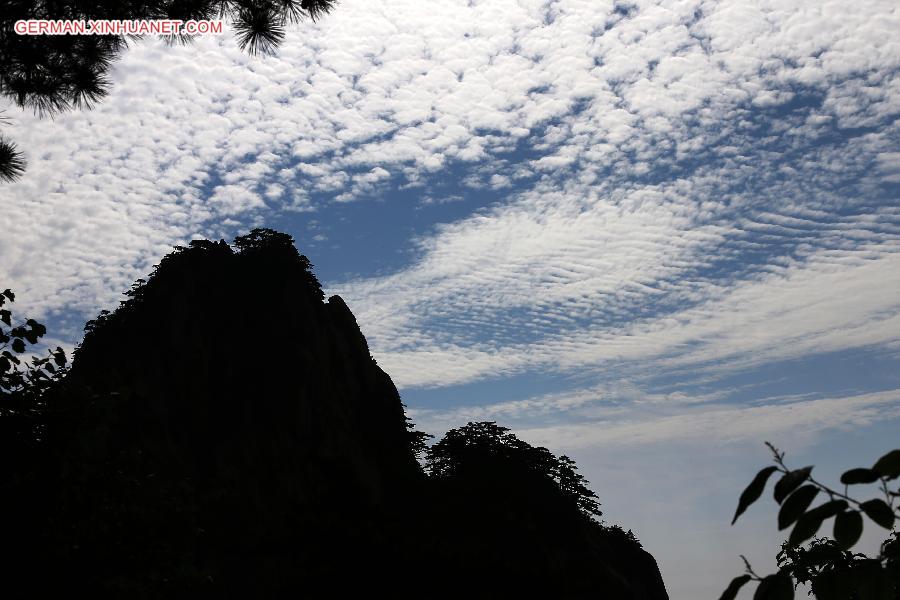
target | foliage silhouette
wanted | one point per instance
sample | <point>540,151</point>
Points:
<point>512,513</point>
<point>22,384</point>
<point>23,425</point>
<point>484,449</point>
<point>225,432</point>
<point>55,73</point>
<point>829,566</point>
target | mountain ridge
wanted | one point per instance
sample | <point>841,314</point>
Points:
<point>226,432</point>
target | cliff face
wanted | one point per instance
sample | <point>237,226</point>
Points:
<point>225,429</point>
<point>238,359</point>
<point>238,350</point>
<point>226,433</point>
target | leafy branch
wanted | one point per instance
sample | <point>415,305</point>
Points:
<point>16,376</point>
<point>828,564</point>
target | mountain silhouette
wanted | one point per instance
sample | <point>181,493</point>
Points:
<point>226,433</point>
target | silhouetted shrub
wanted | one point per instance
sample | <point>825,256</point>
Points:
<point>828,565</point>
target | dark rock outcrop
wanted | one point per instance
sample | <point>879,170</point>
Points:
<point>226,433</point>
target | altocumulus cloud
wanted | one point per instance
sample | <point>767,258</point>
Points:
<point>679,176</point>
<point>659,196</point>
<point>386,93</point>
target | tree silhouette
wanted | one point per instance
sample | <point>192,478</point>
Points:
<point>836,573</point>
<point>833,571</point>
<point>54,73</point>
<point>485,449</point>
<point>523,523</point>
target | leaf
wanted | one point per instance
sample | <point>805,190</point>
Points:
<point>889,464</point>
<point>879,511</point>
<point>795,505</point>
<point>734,587</point>
<point>790,482</point>
<point>6,317</point>
<point>848,527</point>
<point>830,508</point>
<point>775,587</point>
<point>36,327</point>
<point>9,294</point>
<point>18,345</point>
<point>854,476</point>
<point>805,528</point>
<point>808,524</point>
<point>753,491</point>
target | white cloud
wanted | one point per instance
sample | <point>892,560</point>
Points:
<point>724,424</point>
<point>408,88</point>
<point>579,279</point>
<point>692,187</point>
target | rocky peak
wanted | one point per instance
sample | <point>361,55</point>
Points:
<point>226,433</point>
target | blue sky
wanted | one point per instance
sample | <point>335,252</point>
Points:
<point>650,235</point>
